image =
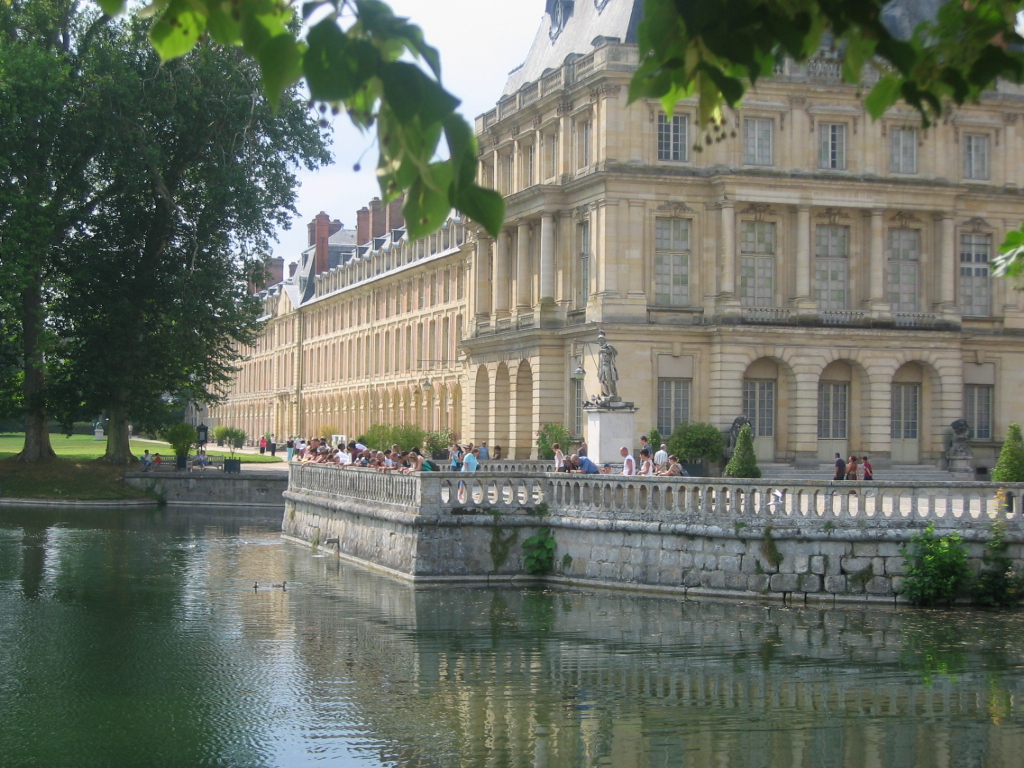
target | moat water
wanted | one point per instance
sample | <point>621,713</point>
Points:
<point>137,639</point>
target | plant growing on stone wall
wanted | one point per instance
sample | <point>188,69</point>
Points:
<point>501,544</point>
<point>936,568</point>
<point>696,441</point>
<point>1009,467</point>
<point>769,550</point>
<point>998,586</point>
<point>539,552</point>
<point>549,435</point>
<point>744,461</point>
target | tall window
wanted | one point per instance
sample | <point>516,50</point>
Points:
<point>528,170</point>
<point>832,145</point>
<point>978,409</point>
<point>832,410</point>
<point>673,404</point>
<point>583,283</point>
<point>831,268</point>
<point>976,155</point>
<point>510,164</point>
<point>583,139</point>
<point>672,141</point>
<point>577,407</point>
<point>672,261</point>
<point>757,141</point>
<point>904,257</point>
<point>757,263</point>
<point>759,407</point>
<point>903,157</point>
<point>904,411</point>
<point>975,298</point>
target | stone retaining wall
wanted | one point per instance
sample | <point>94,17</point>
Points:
<point>260,489</point>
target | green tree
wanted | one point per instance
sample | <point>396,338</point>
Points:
<point>1009,466</point>
<point>744,461</point>
<point>549,435</point>
<point>696,441</point>
<point>936,568</point>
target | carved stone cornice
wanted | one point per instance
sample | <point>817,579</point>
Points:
<point>904,219</point>
<point>759,211</point>
<point>675,207</point>
<point>976,225</point>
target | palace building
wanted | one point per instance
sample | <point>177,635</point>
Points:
<point>821,273</point>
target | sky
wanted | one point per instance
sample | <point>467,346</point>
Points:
<point>480,41</point>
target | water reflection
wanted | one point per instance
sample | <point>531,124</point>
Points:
<point>137,639</point>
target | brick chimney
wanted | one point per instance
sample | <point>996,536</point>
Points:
<point>293,268</point>
<point>275,270</point>
<point>394,218</point>
<point>362,226</point>
<point>377,224</point>
<point>320,231</point>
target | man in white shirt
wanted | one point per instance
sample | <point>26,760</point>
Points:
<point>660,459</point>
<point>628,462</point>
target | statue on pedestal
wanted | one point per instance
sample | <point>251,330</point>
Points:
<point>607,373</point>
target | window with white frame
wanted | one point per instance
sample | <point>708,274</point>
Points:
<point>975,285</point>
<point>672,137</point>
<point>528,169</point>
<point>831,266</point>
<point>833,400</point>
<point>583,144</point>
<point>509,175</point>
<point>903,150</point>
<point>672,261</point>
<point>552,146</point>
<point>759,406</point>
<point>673,404</point>
<point>976,155</point>
<point>757,263</point>
<point>577,407</point>
<point>583,278</point>
<point>832,145</point>
<point>902,275</point>
<point>978,409</point>
<point>757,140</point>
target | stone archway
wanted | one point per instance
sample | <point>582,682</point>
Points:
<point>524,411</point>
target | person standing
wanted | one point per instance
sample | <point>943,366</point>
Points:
<point>661,459</point>
<point>865,465</point>
<point>290,445</point>
<point>646,462</point>
<point>263,444</point>
<point>851,468</point>
<point>628,462</point>
<point>559,458</point>
<point>583,450</point>
<point>484,454</point>
<point>840,473</point>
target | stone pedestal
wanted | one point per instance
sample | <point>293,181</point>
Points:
<point>608,429</point>
<point>97,434</point>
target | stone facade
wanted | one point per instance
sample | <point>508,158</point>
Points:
<point>822,273</point>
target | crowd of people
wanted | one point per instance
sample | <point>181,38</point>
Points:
<point>657,463</point>
<point>853,468</point>
<point>317,450</point>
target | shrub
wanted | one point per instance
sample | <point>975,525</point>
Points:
<point>220,433</point>
<point>936,568</point>
<point>997,585</point>
<point>437,442</point>
<point>549,435</point>
<point>744,461</point>
<point>655,438</point>
<point>694,441</point>
<point>539,552</point>
<point>235,438</point>
<point>380,437</point>
<point>1009,467</point>
<point>181,437</point>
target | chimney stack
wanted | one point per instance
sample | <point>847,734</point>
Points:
<point>377,223</point>
<point>321,228</point>
<point>362,226</point>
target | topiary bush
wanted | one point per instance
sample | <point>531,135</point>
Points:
<point>549,435</point>
<point>744,461</point>
<point>181,437</point>
<point>1009,467</point>
<point>936,568</point>
<point>695,441</point>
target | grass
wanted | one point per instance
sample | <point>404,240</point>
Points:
<point>76,474</point>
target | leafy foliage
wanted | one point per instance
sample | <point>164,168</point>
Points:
<point>539,552</point>
<point>374,65</point>
<point>744,461</point>
<point>235,438</point>
<point>382,436</point>
<point>1009,466</point>
<point>998,585</point>
<point>181,437</point>
<point>936,568</point>
<point>655,439</point>
<point>696,440</point>
<point>220,433</point>
<point>549,435</point>
<point>437,441</point>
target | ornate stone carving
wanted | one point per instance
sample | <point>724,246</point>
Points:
<point>759,211</point>
<point>675,207</point>
<point>904,219</point>
<point>833,215</point>
<point>976,225</point>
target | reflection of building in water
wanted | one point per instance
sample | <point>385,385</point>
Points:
<point>479,677</point>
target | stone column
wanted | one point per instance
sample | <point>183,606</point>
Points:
<point>482,267</point>
<point>547,258</point>
<point>946,253</point>
<point>877,300</point>
<point>727,302</point>
<point>524,275</point>
<point>501,276</point>
<point>804,297</point>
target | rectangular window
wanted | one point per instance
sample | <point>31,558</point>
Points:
<point>583,284</point>
<point>552,155</point>
<point>672,141</point>
<point>903,158</point>
<point>577,407</point>
<point>759,407</point>
<point>672,262</point>
<point>757,264</point>
<point>904,411</point>
<point>583,137</point>
<point>528,171</point>
<point>978,410</point>
<point>976,155</point>
<point>832,410</point>
<point>832,145</point>
<point>673,404</point>
<point>508,176</point>
<point>757,141</point>
<point>975,288</point>
<point>831,268</point>
<point>904,256</point>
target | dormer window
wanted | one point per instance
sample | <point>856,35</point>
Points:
<point>559,11</point>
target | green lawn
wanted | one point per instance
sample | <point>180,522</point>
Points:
<point>76,474</point>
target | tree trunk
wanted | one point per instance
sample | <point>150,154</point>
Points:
<point>37,433</point>
<point>119,450</point>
